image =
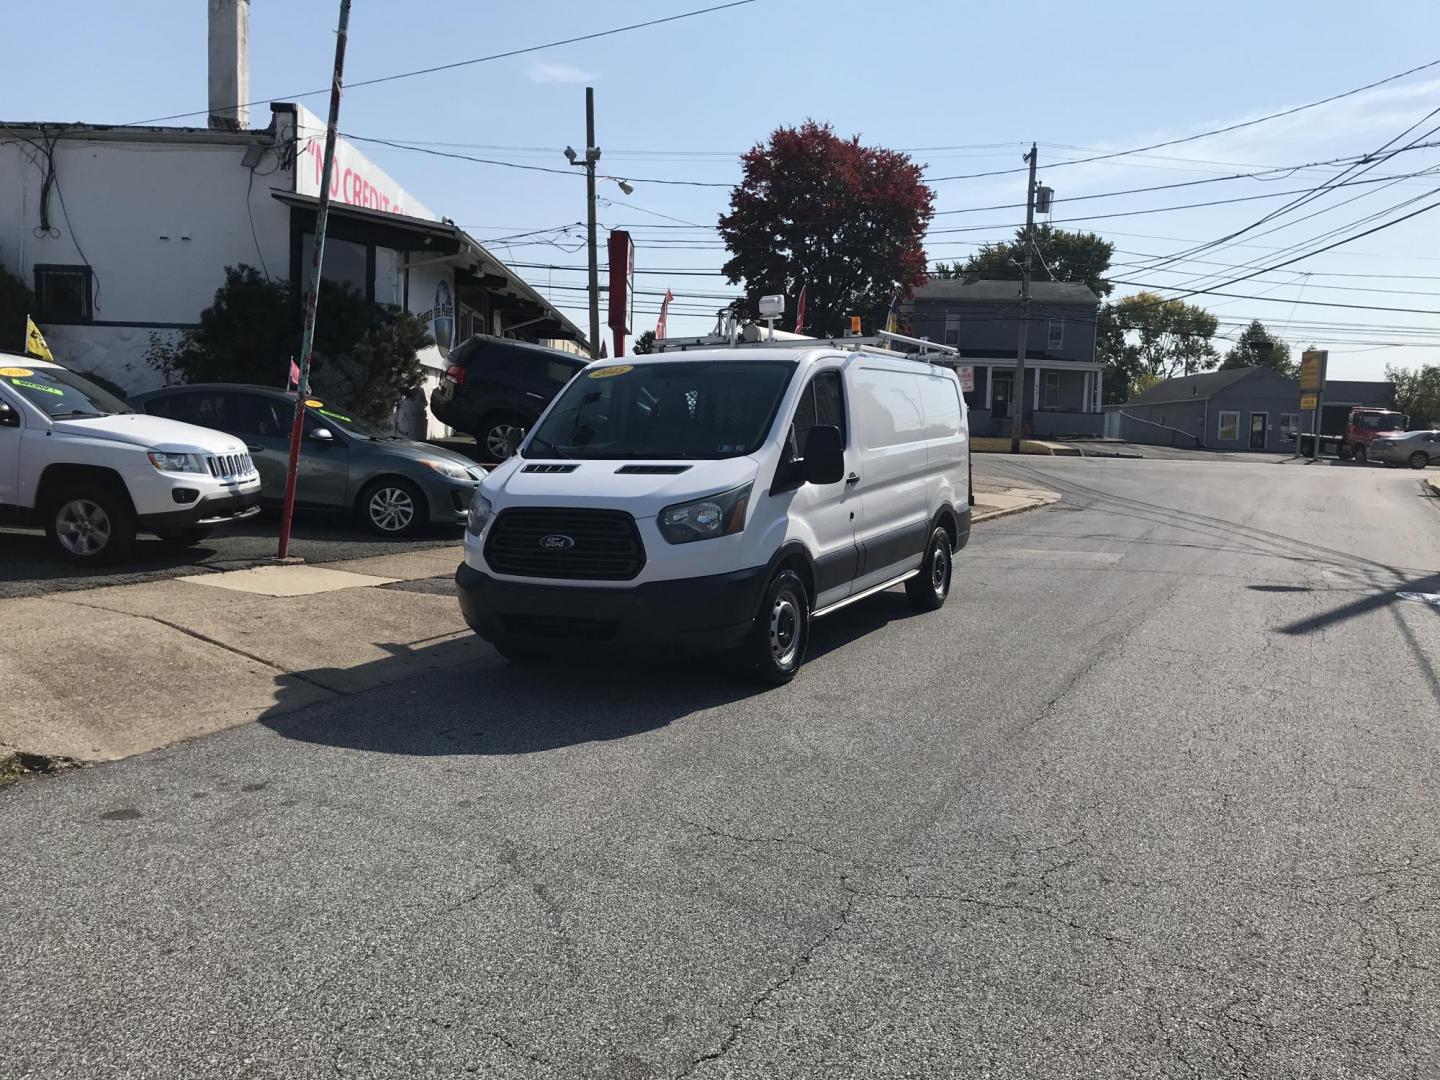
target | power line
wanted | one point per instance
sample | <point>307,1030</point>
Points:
<point>466,63</point>
<point>1205,134</point>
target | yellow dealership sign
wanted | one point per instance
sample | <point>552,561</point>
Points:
<point>1307,402</point>
<point>1311,371</point>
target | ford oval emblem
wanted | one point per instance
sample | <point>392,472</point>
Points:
<point>557,542</point>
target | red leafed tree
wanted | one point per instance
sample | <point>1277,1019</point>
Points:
<point>843,221</point>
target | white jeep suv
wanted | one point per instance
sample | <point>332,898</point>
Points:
<point>79,461</point>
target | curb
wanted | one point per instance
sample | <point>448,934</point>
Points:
<point>1434,486</point>
<point>992,515</point>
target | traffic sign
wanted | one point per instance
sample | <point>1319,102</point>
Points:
<point>1307,402</point>
<point>967,378</point>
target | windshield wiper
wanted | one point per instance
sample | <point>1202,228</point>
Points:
<point>536,442</point>
<point>76,414</point>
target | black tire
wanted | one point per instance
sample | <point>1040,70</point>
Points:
<point>90,524</point>
<point>1418,460</point>
<point>777,643</point>
<point>1361,454</point>
<point>393,507</point>
<point>1344,453</point>
<point>928,589</point>
<point>494,430</point>
<point>186,537</point>
<point>517,653</point>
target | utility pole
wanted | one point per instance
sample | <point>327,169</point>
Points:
<point>1017,393</point>
<point>317,256</point>
<point>592,155</point>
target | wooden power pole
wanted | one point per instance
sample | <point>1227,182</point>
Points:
<point>1017,392</point>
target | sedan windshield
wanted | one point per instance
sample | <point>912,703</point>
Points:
<point>682,409</point>
<point>61,394</point>
<point>345,420</point>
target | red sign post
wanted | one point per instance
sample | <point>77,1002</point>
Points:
<point>621,253</point>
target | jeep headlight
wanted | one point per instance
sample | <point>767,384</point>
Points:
<point>182,463</point>
<point>703,519</point>
<point>479,515</point>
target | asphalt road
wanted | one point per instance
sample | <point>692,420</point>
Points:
<point>1153,796</point>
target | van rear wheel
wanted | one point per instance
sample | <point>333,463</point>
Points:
<point>776,646</point>
<point>928,589</point>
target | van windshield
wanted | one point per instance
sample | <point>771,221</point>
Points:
<point>684,409</point>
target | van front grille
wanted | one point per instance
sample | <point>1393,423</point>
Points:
<point>559,542</point>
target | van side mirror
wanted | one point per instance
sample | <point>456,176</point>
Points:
<point>8,416</point>
<point>824,461</point>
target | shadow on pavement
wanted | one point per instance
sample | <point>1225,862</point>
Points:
<point>1389,595</point>
<point>487,705</point>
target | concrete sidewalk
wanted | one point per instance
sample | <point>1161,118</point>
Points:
<point>105,673</point>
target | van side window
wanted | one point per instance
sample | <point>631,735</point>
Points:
<point>821,405</point>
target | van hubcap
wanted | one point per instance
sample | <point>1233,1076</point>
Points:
<point>392,509</point>
<point>83,527</point>
<point>784,629</point>
<point>940,569</point>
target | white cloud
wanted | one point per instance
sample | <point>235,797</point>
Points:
<point>543,72</point>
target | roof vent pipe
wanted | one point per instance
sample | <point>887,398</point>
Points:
<point>229,64</point>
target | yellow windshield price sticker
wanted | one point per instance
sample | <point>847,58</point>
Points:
<point>611,371</point>
<point>314,404</point>
<point>16,372</point>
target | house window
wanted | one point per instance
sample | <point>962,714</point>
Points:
<point>1229,429</point>
<point>1289,424</point>
<point>1056,337</point>
<point>63,294</point>
<point>1051,390</point>
<point>952,329</point>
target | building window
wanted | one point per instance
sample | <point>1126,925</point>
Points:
<point>1289,424</point>
<point>63,294</point>
<point>952,329</point>
<point>1051,391</point>
<point>1229,428</point>
<point>1056,338</point>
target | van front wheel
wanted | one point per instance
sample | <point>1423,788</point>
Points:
<point>928,589</point>
<point>777,644</point>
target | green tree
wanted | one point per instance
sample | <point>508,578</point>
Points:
<point>844,222</point>
<point>1059,254</point>
<point>16,302</point>
<point>1258,347</point>
<point>645,343</point>
<point>1417,393</point>
<point>365,354</point>
<point>1159,337</point>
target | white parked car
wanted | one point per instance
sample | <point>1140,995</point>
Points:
<point>94,472</point>
<point>720,499</point>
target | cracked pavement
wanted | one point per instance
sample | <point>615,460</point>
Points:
<point>1153,796</point>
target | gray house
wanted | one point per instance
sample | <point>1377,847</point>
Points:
<point>1062,388</point>
<point>1235,409</point>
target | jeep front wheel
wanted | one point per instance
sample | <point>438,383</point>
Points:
<point>90,525</point>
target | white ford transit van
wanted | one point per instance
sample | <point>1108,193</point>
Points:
<point>719,500</point>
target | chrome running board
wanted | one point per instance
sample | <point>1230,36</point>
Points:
<point>862,595</point>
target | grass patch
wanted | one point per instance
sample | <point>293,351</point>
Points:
<point>986,445</point>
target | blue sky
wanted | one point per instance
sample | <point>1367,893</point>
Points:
<point>980,80</point>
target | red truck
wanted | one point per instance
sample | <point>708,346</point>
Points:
<point>1348,431</point>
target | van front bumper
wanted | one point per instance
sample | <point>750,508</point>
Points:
<point>704,615</point>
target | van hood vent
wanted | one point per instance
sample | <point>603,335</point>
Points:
<point>663,470</point>
<point>550,468</point>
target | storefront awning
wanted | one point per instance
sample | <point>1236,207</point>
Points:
<point>476,268</point>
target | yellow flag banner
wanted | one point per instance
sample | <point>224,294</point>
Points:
<point>35,341</point>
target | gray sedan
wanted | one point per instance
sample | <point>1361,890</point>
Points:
<point>393,485</point>
<point>1414,448</point>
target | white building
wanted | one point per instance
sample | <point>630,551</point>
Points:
<point>125,232</point>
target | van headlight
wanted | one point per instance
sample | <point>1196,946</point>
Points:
<point>703,519</point>
<point>479,515</point>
